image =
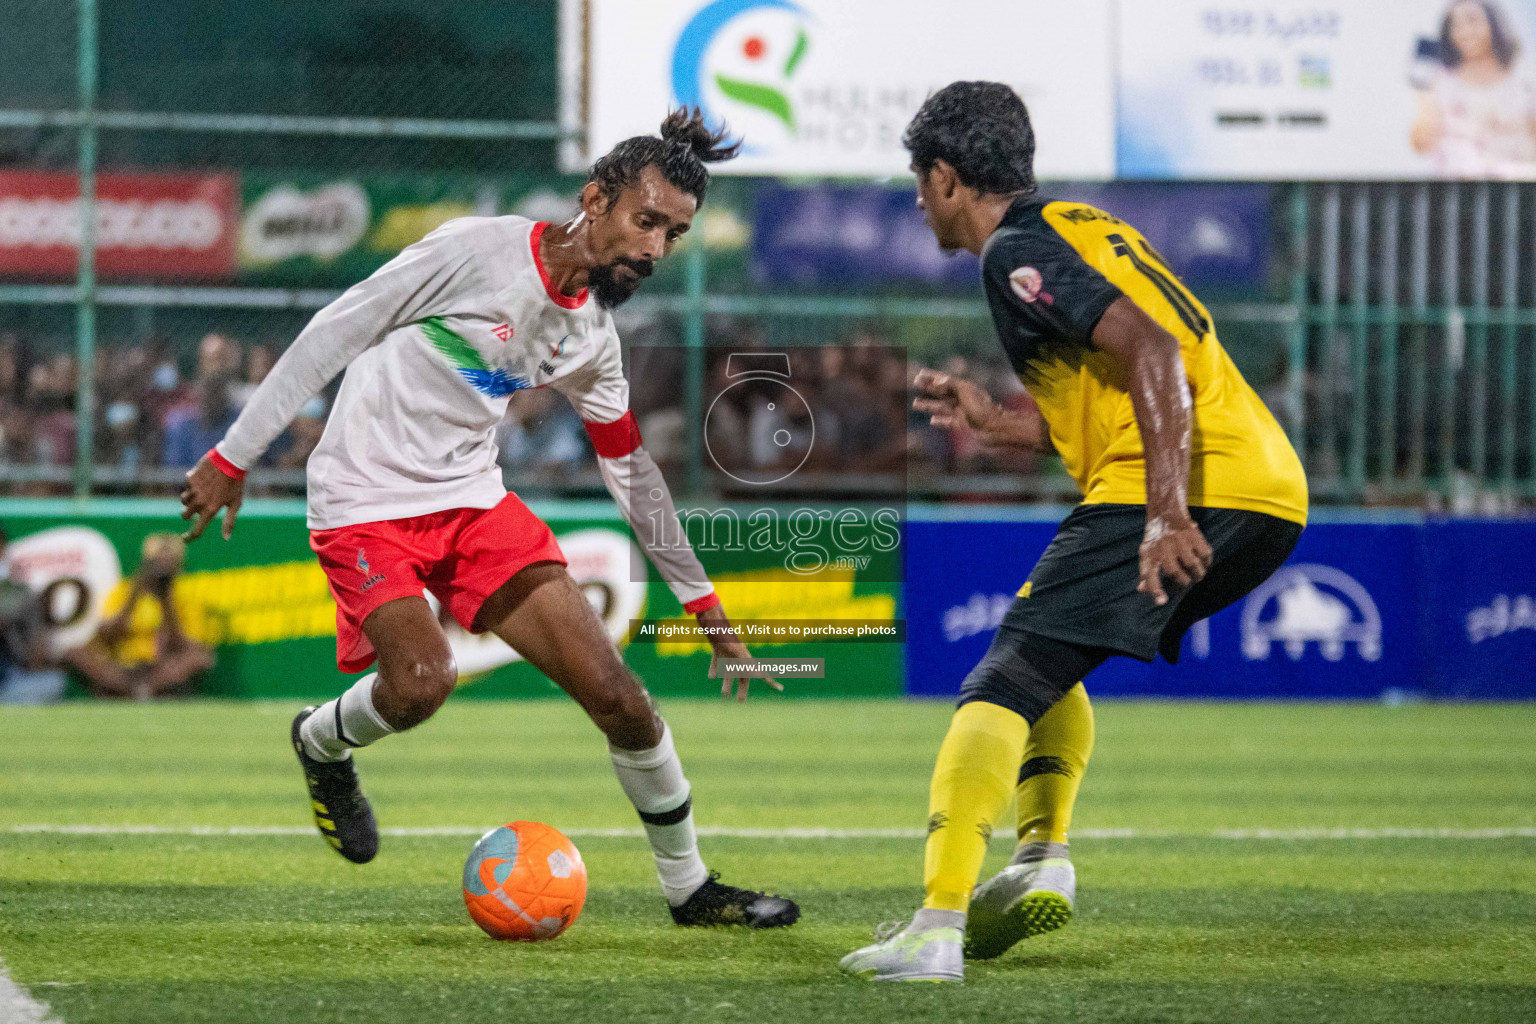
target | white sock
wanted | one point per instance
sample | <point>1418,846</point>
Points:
<point>653,780</point>
<point>349,721</point>
<point>926,919</point>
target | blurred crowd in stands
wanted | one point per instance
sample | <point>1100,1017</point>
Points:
<point>156,409</point>
<point>148,413</point>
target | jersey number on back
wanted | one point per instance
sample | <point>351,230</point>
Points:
<point>1153,269</point>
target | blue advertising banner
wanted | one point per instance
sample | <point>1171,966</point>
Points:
<point>1362,610</point>
<point>832,234</point>
<point>829,234</point>
<point>1338,620</point>
<point>1213,235</point>
<point>1480,617</point>
<point>956,596</point>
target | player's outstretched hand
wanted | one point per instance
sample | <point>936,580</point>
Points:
<point>954,402</point>
<point>727,644</point>
<point>1178,552</point>
<point>210,489</point>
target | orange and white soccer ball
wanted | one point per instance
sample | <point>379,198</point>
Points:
<point>524,882</point>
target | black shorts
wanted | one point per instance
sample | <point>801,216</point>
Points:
<point>1083,589</point>
<point>1081,606</point>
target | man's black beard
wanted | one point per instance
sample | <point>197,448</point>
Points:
<point>609,289</point>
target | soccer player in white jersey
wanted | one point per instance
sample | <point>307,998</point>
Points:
<point>405,492</point>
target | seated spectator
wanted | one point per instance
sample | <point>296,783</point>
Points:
<point>302,435</point>
<point>119,445</point>
<point>50,403</point>
<point>258,363</point>
<point>725,422</point>
<point>164,392</point>
<point>218,355</point>
<point>190,430</point>
<point>10,362</point>
<point>543,436</point>
<point>141,649</point>
<point>26,677</point>
<point>17,436</point>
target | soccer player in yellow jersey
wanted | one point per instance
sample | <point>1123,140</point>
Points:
<point>1192,496</point>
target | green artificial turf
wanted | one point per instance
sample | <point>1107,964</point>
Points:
<point>1176,922</point>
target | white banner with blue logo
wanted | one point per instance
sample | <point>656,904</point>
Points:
<point>825,87</point>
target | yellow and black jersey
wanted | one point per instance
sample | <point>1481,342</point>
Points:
<point>1051,270</point>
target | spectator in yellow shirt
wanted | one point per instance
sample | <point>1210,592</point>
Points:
<point>142,650</point>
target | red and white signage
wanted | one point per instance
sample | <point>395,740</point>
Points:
<point>148,226</point>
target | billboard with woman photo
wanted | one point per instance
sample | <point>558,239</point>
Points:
<point>1349,89</point>
<point>1476,114</point>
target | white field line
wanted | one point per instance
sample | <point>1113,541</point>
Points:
<point>795,833</point>
<point>17,1007</point>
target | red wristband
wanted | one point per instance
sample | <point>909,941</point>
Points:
<point>226,467</point>
<point>702,604</point>
<point>614,440</point>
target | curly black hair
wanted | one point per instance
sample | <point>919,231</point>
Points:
<point>686,144</point>
<point>1506,47</point>
<point>982,130</point>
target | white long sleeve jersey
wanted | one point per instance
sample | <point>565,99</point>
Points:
<point>434,344</point>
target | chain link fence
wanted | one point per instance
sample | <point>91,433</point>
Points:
<point>244,162</point>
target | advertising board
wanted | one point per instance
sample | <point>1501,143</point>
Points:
<point>1347,89</point>
<point>1375,608</point>
<point>261,600</point>
<point>845,234</point>
<point>825,87</point>
<point>148,226</point>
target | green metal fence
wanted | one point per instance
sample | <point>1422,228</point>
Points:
<point>1412,365</point>
<point>1397,342</point>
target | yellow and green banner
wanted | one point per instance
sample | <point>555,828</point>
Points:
<point>261,600</point>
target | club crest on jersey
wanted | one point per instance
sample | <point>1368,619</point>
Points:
<point>1028,285</point>
<point>503,332</point>
<point>363,567</point>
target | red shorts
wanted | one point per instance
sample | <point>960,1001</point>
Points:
<point>462,555</point>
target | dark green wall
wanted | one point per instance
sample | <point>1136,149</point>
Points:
<point>398,58</point>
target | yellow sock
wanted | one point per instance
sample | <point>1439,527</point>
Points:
<point>1054,761</point>
<point>977,765</point>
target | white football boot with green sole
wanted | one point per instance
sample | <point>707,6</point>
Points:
<point>1019,902</point>
<point>901,953</point>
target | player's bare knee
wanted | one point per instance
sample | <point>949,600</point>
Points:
<point>626,715</point>
<point>418,686</point>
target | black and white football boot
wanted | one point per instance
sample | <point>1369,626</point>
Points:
<point>715,904</point>
<point>342,813</point>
